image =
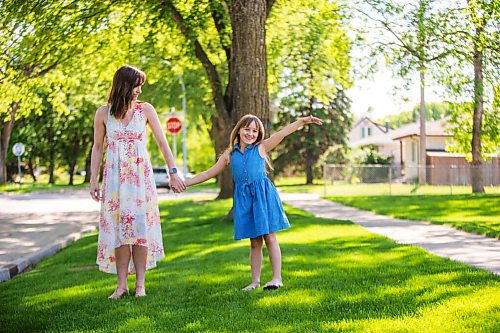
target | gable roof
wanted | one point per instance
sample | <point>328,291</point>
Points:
<point>380,127</point>
<point>432,128</point>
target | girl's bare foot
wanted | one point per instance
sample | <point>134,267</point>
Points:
<point>140,291</point>
<point>251,286</point>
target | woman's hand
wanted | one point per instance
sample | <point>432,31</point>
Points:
<point>95,191</point>
<point>176,183</point>
<point>311,119</point>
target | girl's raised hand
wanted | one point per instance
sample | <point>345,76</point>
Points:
<point>311,119</point>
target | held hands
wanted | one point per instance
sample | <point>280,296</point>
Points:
<point>176,183</point>
<point>311,119</point>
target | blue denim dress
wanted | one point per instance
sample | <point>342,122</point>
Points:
<point>257,206</point>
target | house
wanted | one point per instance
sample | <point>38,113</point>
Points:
<point>365,128</point>
<point>408,137</point>
<point>403,144</point>
<point>366,132</point>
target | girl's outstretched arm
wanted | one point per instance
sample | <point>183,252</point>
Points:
<point>277,137</point>
<point>217,168</point>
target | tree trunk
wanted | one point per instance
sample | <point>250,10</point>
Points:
<point>71,172</point>
<point>31,169</point>
<point>423,142</point>
<point>220,135</point>
<point>6,131</point>
<point>249,90</point>
<point>477,159</point>
<point>87,167</point>
<point>309,168</point>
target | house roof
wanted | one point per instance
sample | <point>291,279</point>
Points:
<point>379,139</point>
<point>380,127</point>
<point>432,128</point>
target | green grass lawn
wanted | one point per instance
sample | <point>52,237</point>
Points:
<point>476,213</point>
<point>296,184</point>
<point>28,186</point>
<point>338,277</point>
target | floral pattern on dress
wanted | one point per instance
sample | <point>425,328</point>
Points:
<point>129,208</point>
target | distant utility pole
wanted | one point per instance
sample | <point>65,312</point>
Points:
<point>184,121</point>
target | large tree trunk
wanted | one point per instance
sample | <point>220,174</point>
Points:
<point>220,135</point>
<point>477,159</point>
<point>422,161</point>
<point>250,95</point>
<point>6,130</point>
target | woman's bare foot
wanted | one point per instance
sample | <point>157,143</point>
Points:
<point>273,284</point>
<point>119,292</point>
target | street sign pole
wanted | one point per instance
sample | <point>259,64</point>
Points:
<point>184,128</point>
<point>174,143</point>
<point>18,150</point>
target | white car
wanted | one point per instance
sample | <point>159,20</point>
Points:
<point>161,176</point>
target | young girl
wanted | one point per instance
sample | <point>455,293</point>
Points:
<point>258,212</point>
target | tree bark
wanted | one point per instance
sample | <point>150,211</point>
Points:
<point>250,93</point>
<point>87,167</point>
<point>6,130</point>
<point>477,159</point>
<point>220,135</point>
<point>423,142</point>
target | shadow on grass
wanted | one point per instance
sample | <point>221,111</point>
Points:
<point>334,273</point>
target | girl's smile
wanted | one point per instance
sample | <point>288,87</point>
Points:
<point>248,134</point>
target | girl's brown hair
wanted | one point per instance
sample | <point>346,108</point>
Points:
<point>245,121</point>
<point>125,80</point>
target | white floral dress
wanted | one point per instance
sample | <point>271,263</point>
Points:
<point>129,208</point>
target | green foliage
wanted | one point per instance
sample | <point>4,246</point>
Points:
<point>461,120</point>
<point>309,72</point>
<point>370,155</point>
<point>434,111</point>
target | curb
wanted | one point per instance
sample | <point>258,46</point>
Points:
<point>10,270</point>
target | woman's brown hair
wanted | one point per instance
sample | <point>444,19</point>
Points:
<point>245,121</point>
<point>125,80</point>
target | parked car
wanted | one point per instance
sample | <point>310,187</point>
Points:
<point>161,176</point>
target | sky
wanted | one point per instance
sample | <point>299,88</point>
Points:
<point>378,91</point>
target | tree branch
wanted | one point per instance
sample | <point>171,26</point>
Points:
<point>213,75</point>
<point>269,6</point>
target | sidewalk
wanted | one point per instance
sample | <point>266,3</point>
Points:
<point>35,226</point>
<point>441,240</point>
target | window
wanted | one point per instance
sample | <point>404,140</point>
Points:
<point>366,131</point>
<point>413,151</point>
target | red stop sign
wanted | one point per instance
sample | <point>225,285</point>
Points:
<point>174,125</point>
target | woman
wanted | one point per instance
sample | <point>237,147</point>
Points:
<point>130,239</point>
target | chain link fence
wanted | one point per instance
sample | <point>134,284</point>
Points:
<point>340,179</point>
